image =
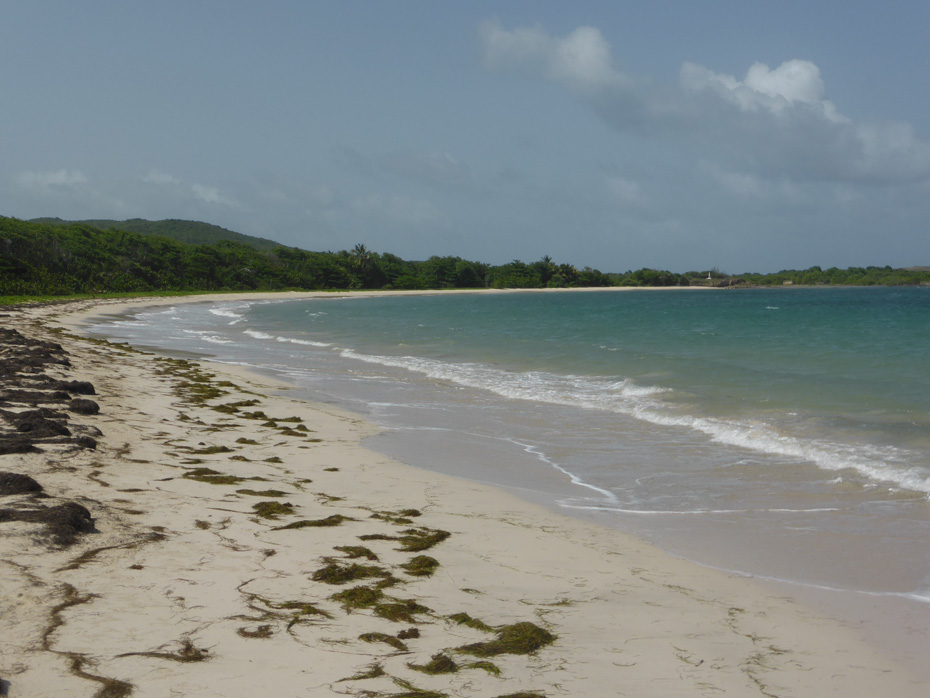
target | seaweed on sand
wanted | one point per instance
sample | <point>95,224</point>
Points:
<point>519,638</point>
<point>385,638</point>
<point>334,573</point>
<point>438,664</point>
<point>334,520</point>
<point>356,551</point>
<point>63,523</point>
<point>414,540</point>
<point>187,654</point>
<point>400,610</point>
<point>272,510</point>
<point>421,566</point>
<point>358,597</point>
<point>263,493</point>
<point>373,672</point>
<point>465,619</point>
<point>212,477</point>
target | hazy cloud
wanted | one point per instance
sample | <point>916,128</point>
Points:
<point>396,210</point>
<point>624,191</point>
<point>157,177</point>
<point>212,195</point>
<point>59,178</point>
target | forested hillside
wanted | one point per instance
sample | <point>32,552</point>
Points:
<point>191,232</point>
<point>54,259</point>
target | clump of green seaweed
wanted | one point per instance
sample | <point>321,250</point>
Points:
<point>212,477</point>
<point>334,573</point>
<point>373,672</point>
<point>272,509</point>
<point>400,610</point>
<point>467,620</point>
<point>263,493</point>
<point>356,551</point>
<point>385,638</point>
<point>438,664</point>
<point>415,540</point>
<point>421,566</point>
<point>334,520</point>
<point>519,638</point>
<point>358,597</point>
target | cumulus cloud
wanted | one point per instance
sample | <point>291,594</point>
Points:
<point>774,122</point>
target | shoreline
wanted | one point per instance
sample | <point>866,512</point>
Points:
<point>627,616</point>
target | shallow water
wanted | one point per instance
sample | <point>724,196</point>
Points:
<point>780,433</point>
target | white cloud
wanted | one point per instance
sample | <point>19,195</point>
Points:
<point>774,123</point>
<point>59,178</point>
<point>793,83</point>
<point>581,61</point>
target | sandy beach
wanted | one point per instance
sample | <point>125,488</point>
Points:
<point>244,543</point>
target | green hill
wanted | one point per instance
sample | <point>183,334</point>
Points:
<point>190,232</point>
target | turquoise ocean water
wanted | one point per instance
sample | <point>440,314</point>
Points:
<point>780,433</point>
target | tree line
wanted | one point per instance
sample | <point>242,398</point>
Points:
<point>41,259</point>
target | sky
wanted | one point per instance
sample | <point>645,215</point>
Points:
<point>681,135</point>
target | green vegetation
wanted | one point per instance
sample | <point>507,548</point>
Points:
<point>53,258</point>
<point>334,573</point>
<point>356,551</point>
<point>263,493</point>
<point>212,477</point>
<point>438,664</point>
<point>334,520</point>
<point>272,510</point>
<point>465,619</point>
<point>519,638</point>
<point>384,637</point>
<point>373,672</point>
<point>358,597</point>
<point>400,610</point>
<point>487,666</point>
<point>415,540</point>
<point>421,566</point>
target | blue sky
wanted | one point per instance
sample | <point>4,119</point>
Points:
<point>679,135</point>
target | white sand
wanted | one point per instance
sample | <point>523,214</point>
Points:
<point>629,619</point>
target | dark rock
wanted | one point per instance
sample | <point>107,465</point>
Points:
<point>16,483</point>
<point>40,428</point>
<point>83,406</point>
<point>17,444</point>
<point>33,397</point>
<point>63,522</point>
<point>76,387</point>
<point>86,442</point>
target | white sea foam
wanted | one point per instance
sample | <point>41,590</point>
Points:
<point>304,342</point>
<point>882,464</point>
<point>691,512</point>
<point>226,312</point>
<point>258,335</point>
